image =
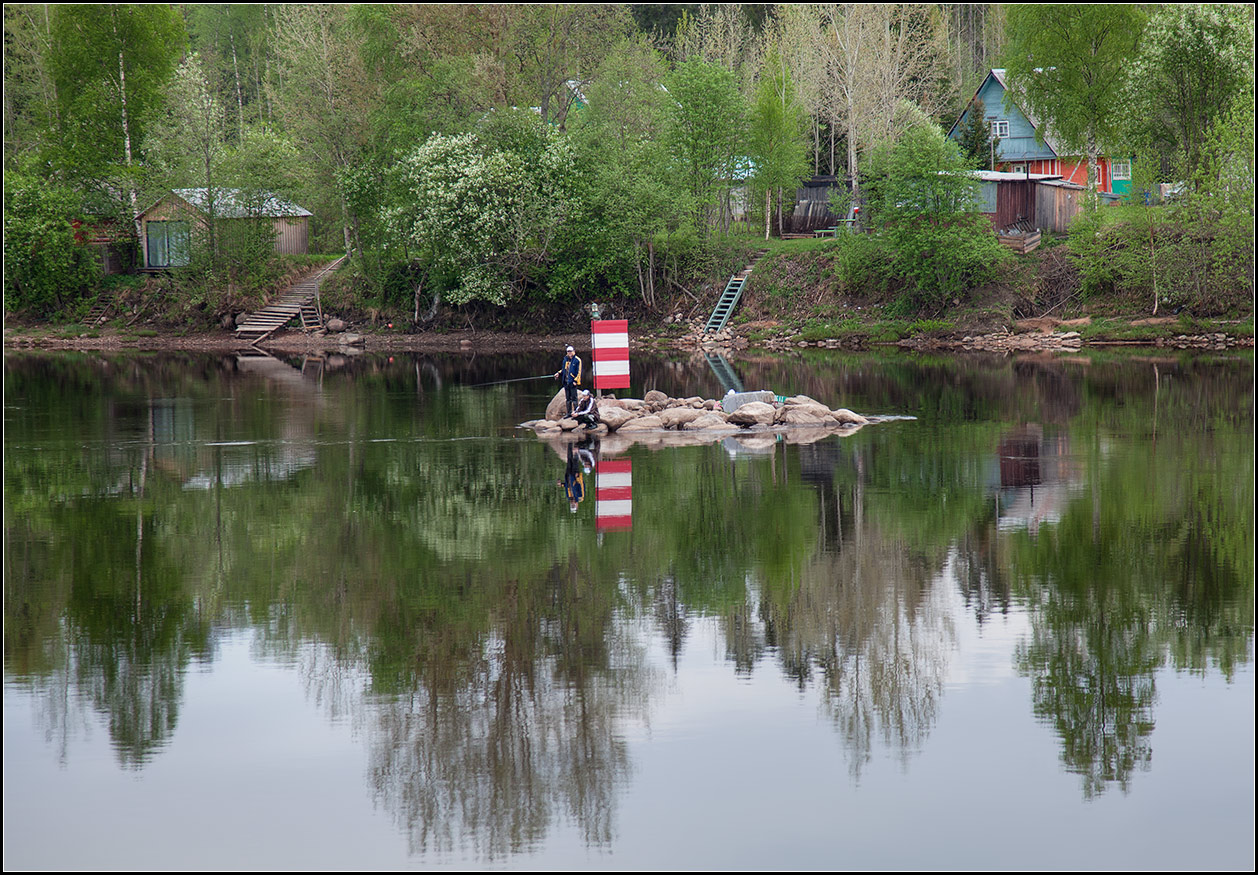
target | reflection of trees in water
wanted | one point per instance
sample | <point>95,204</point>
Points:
<point>1091,666</point>
<point>504,734</point>
<point>879,636</point>
<point>983,582</point>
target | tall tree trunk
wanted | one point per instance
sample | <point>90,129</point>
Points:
<point>637,261</point>
<point>240,100</point>
<point>650,274</point>
<point>768,212</point>
<point>851,161</point>
<point>126,132</point>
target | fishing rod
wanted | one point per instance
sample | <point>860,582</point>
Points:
<point>515,380</point>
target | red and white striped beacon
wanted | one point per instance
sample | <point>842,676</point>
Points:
<point>609,342</point>
<point>613,492</point>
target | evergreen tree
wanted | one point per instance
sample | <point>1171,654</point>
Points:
<point>977,141</point>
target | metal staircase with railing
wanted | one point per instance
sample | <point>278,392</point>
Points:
<point>729,298</point>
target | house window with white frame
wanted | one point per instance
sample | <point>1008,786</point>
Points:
<point>1122,170</point>
<point>1000,128</point>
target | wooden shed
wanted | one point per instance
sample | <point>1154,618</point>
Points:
<point>1056,203</point>
<point>166,227</point>
<point>1009,199</point>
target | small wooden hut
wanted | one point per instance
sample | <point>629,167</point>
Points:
<point>166,227</point>
<point>1056,203</point>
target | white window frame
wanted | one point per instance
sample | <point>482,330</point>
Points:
<point>1120,170</point>
<point>1017,168</point>
<point>1000,128</point>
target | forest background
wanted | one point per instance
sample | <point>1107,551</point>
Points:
<point>515,162</point>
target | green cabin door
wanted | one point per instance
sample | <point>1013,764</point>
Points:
<point>167,244</point>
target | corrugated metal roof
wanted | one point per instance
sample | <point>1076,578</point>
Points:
<point>232,203</point>
<point>1011,176</point>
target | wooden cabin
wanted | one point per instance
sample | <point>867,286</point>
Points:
<point>167,226</point>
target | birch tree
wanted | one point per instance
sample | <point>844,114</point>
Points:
<point>1065,63</point>
<point>187,143</point>
<point>1194,62</point>
<point>322,92</point>
<point>878,57</point>
<point>108,64</point>
<point>778,136</point>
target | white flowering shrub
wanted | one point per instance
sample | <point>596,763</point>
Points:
<point>487,219</point>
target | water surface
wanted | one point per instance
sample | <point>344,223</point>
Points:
<point>341,614</point>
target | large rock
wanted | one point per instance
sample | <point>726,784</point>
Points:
<point>802,416</point>
<point>557,409</point>
<point>753,413</point>
<point>708,420</point>
<point>642,423</point>
<point>677,417</point>
<point>655,396</point>
<point>614,417</point>
<point>847,417</point>
<point>334,325</point>
<point>804,404</point>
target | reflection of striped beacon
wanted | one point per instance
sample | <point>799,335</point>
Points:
<point>614,495</point>
<point>609,339</point>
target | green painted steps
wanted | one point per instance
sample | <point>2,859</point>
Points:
<point>729,297</point>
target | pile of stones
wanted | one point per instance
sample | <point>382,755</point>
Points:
<point>658,413</point>
<point>1027,342</point>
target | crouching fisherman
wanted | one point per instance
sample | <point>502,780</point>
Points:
<point>587,411</point>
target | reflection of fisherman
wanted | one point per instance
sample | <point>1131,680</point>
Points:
<point>573,482</point>
<point>570,373</point>
<point>587,411</point>
<point>586,457</point>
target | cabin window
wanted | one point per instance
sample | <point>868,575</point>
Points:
<point>167,244</point>
<point>1017,168</point>
<point>1000,128</point>
<point>1122,170</point>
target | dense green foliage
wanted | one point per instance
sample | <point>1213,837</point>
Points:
<point>1194,63</point>
<point>921,201</point>
<point>46,269</point>
<point>618,153</point>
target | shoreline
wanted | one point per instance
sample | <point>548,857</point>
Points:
<point>1025,336</point>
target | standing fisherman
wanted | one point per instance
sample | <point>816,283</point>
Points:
<point>570,372</point>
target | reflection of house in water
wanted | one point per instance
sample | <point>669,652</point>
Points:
<point>280,456</point>
<point>1037,478</point>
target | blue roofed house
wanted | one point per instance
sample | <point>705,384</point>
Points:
<point>1019,151</point>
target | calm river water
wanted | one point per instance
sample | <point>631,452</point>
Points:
<point>341,614</point>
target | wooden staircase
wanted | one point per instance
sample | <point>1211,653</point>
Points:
<point>298,302</point>
<point>729,297</point>
<point>102,308</point>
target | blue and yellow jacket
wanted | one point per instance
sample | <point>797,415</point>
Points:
<point>571,371</point>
